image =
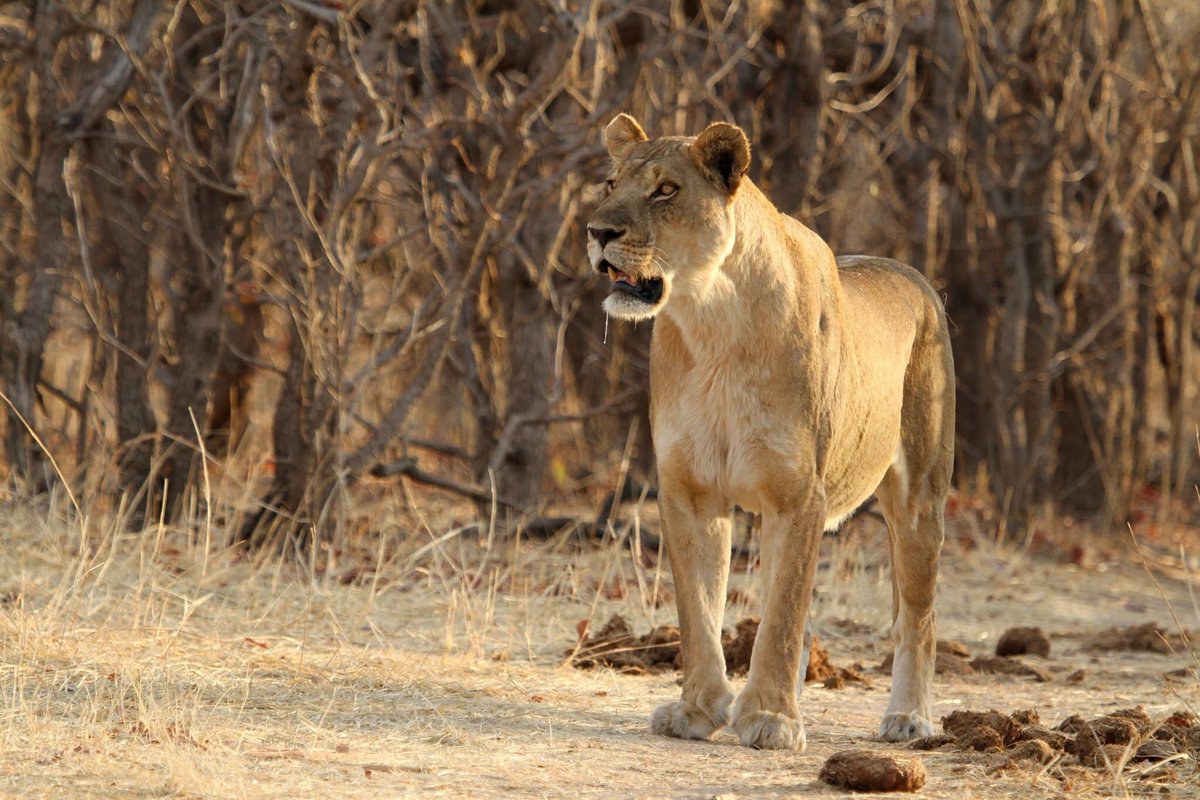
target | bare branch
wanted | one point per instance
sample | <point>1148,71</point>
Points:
<point>117,69</point>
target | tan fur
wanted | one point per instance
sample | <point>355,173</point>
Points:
<point>789,383</point>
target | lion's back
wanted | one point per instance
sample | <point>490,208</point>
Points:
<point>890,281</point>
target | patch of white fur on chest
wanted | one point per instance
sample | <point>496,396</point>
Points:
<point>717,425</point>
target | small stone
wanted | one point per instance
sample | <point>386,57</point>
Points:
<point>868,771</point>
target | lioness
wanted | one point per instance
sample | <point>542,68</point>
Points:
<point>791,384</point>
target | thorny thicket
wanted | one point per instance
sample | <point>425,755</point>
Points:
<point>370,213</point>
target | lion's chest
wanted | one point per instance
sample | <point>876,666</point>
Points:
<point>712,422</point>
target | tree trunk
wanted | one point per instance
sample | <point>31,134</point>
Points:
<point>520,458</point>
<point>122,256</point>
<point>24,337</point>
<point>202,246</point>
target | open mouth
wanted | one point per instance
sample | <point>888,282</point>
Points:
<point>648,290</point>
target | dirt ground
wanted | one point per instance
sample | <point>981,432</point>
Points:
<point>143,668</point>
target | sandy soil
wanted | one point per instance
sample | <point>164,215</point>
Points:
<point>142,668</point>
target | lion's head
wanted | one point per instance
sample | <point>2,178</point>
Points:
<point>665,224</point>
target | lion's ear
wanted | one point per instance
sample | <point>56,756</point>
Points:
<point>621,135</point>
<point>723,151</point>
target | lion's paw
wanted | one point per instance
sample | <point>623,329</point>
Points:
<point>684,720</point>
<point>901,726</point>
<point>768,730</point>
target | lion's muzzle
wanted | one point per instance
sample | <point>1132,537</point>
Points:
<point>632,295</point>
<point>648,290</point>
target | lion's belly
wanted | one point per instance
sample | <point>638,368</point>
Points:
<point>846,491</point>
<point>727,443</point>
<point>862,450</point>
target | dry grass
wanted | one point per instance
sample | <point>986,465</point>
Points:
<point>150,667</point>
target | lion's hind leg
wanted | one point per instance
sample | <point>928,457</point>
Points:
<point>913,497</point>
<point>915,537</point>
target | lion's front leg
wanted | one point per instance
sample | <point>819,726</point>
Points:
<point>767,714</point>
<point>697,535</point>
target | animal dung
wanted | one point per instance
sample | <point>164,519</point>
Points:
<point>869,771</point>
<point>1023,641</point>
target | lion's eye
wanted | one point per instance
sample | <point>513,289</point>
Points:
<point>664,191</point>
<point>609,185</point>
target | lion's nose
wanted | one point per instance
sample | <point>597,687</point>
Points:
<point>605,235</point>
